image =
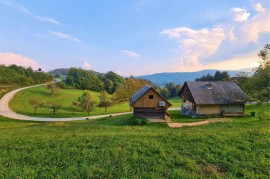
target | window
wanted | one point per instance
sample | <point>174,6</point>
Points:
<point>151,96</point>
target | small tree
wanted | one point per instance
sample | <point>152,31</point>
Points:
<point>55,106</point>
<point>53,87</point>
<point>35,103</point>
<point>104,95</point>
<point>106,103</point>
<point>165,93</point>
<point>75,105</point>
<point>87,101</point>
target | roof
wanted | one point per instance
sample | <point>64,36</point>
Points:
<point>220,92</point>
<point>141,92</point>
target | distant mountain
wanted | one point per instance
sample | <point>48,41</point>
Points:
<point>162,79</point>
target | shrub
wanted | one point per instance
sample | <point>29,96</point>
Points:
<point>140,121</point>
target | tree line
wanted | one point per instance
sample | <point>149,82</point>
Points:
<point>169,90</point>
<point>93,81</point>
<point>219,76</point>
<point>17,75</point>
<point>257,86</point>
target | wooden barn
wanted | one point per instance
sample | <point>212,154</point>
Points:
<point>147,102</point>
<point>217,98</point>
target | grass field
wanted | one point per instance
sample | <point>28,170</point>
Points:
<point>176,102</point>
<point>65,96</point>
<point>20,103</point>
<point>112,148</point>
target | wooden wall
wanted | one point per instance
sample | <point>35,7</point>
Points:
<point>145,102</point>
<point>150,112</point>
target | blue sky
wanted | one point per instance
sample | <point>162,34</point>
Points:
<point>134,37</point>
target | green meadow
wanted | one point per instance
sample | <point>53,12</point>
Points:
<point>114,148</point>
<point>65,97</point>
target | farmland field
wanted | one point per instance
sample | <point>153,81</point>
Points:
<point>113,148</point>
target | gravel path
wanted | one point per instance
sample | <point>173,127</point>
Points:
<point>213,120</point>
<point>7,112</point>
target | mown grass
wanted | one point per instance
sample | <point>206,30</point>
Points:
<point>113,148</point>
<point>65,97</point>
<point>176,102</point>
<point>176,116</point>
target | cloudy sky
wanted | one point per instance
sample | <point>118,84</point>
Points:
<point>134,37</point>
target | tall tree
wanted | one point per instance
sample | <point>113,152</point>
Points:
<point>83,79</point>
<point>221,76</point>
<point>87,101</point>
<point>258,85</point>
<point>131,86</point>
<point>262,74</point>
<point>165,93</point>
<point>208,77</point>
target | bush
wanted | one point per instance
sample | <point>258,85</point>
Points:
<point>140,121</point>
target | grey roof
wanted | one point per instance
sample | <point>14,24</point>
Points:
<point>221,92</point>
<point>140,93</point>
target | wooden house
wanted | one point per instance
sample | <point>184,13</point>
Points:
<point>212,98</point>
<point>147,102</point>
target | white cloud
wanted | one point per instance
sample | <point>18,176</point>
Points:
<point>196,44</point>
<point>47,19</point>
<point>64,36</point>
<point>259,7</point>
<point>28,12</point>
<point>24,10</point>
<point>86,65</point>
<point>13,58</point>
<point>235,63</point>
<point>250,30</point>
<point>197,47</point>
<point>131,53</point>
<point>240,14</point>
<point>6,3</point>
<point>230,34</point>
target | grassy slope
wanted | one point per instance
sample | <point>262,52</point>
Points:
<point>176,102</point>
<point>111,148</point>
<point>20,103</point>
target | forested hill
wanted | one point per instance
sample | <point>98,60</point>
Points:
<point>161,79</point>
<point>17,75</point>
<point>64,71</point>
<point>59,71</point>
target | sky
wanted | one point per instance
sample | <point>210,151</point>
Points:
<point>134,37</point>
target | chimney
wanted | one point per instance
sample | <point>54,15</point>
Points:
<point>208,85</point>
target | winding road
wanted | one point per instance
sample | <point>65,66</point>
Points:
<point>7,112</point>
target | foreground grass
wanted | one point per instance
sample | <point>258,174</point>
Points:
<point>113,148</point>
<point>65,97</point>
